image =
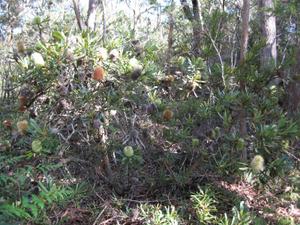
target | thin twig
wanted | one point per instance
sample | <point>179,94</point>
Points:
<point>100,214</point>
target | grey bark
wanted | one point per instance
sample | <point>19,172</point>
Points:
<point>268,27</point>
<point>103,7</point>
<point>91,14</point>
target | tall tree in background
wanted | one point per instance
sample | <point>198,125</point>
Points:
<point>77,13</point>
<point>294,83</point>
<point>244,46</point>
<point>91,14</point>
<point>170,37</point>
<point>268,27</point>
<point>194,17</point>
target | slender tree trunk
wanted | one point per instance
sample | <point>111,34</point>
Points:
<point>77,14</point>
<point>245,29</point>
<point>196,28</point>
<point>268,26</point>
<point>244,47</point>
<point>103,6</point>
<point>294,84</point>
<point>170,40</point>
<point>194,17</point>
<point>91,15</point>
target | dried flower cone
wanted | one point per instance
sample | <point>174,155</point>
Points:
<point>22,103</point>
<point>99,74</point>
<point>7,124</point>
<point>168,114</point>
<point>22,126</point>
<point>21,47</point>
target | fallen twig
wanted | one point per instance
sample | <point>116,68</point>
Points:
<point>100,214</point>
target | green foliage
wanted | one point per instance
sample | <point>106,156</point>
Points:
<point>240,216</point>
<point>158,215</point>
<point>31,207</point>
<point>203,203</point>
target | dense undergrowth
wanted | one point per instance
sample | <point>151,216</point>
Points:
<point>63,159</point>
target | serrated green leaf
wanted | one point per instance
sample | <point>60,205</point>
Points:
<point>39,202</point>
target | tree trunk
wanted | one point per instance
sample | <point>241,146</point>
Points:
<point>103,7</point>
<point>196,28</point>
<point>170,40</point>
<point>77,14</point>
<point>194,17</point>
<point>293,87</point>
<point>268,26</point>
<point>91,15</point>
<point>245,29</point>
<point>244,46</point>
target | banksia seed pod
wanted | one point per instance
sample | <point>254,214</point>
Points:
<point>21,47</point>
<point>22,126</point>
<point>22,100</point>
<point>22,108</point>
<point>136,72</point>
<point>7,124</point>
<point>22,103</point>
<point>99,73</point>
<point>168,114</point>
<point>168,80</point>
<point>257,164</point>
<point>136,68</point>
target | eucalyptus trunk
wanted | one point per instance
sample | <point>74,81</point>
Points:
<point>268,27</point>
<point>244,47</point>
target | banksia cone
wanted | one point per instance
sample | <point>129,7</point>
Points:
<point>22,108</point>
<point>168,80</point>
<point>22,103</point>
<point>37,59</point>
<point>22,126</point>
<point>257,164</point>
<point>168,114</point>
<point>7,124</point>
<point>128,151</point>
<point>21,47</point>
<point>99,73</point>
<point>22,100</point>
